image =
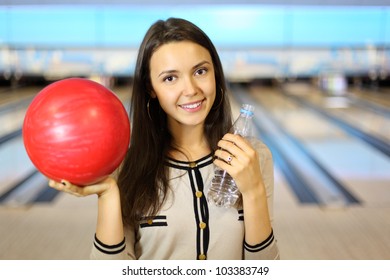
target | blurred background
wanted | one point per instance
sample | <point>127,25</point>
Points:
<point>316,71</point>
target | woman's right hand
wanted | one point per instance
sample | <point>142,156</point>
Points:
<point>100,189</point>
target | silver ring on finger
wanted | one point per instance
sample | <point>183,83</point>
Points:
<point>229,159</point>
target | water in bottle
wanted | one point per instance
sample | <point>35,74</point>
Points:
<point>223,190</point>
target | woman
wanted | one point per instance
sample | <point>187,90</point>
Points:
<point>157,208</point>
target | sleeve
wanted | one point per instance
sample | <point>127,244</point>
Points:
<point>268,249</point>
<point>121,251</point>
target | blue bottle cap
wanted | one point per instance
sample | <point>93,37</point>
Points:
<point>247,110</point>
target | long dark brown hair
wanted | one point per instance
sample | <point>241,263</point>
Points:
<point>143,177</point>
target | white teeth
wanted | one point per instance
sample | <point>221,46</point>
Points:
<point>191,106</point>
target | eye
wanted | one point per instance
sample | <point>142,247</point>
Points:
<point>169,79</point>
<point>201,71</point>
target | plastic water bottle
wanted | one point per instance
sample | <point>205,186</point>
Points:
<point>223,190</point>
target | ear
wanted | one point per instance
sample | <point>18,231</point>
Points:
<point>153,94</point>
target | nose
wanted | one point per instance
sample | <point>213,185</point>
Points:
<point>190,87</point>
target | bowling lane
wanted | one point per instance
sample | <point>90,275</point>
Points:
<point>13,106</point>
<point>14,163</point>
<point>323,231</point>
<point>379,97</point>
<point>374,119</point>
<point>9,95</point>
<point>362,169</point>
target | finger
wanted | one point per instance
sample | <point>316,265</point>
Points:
<point>97,188</point>
<point>230,148</point>
<point>229,159</point>
<point>55,185</point>
<point>240,147</point>
<point>70,188</point>
<point>224,155</point>
<point>238,141</point>
<point>67,187</point>
<point>224,165</point>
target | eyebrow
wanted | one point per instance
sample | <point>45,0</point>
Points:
<point>194,67</point>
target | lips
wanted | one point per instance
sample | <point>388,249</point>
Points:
<point>191,106</point>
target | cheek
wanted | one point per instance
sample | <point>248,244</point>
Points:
<point>210,91</point>
<point>167,100</point>
<point>166,106</point>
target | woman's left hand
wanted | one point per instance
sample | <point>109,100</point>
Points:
<point>241,161</point>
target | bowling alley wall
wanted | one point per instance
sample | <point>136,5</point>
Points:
<point>254,41</point>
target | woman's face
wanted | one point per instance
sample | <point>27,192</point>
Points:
<point>183,80</point>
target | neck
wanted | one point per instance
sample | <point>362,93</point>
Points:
<point>190,142</point>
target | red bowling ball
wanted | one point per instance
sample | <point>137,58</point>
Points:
<point>76,129</point>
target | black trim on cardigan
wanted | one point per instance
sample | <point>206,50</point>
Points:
<point>109,249</point>
<point>240,215</point>
<point>187,165</point>
<point>156,221</point>
<point>204,210</point>
<point>201,213</point>
<point>261,246</point>
<point>201,210</point>
<point>154,224</point>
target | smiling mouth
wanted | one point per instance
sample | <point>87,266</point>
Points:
<point>191,106</point>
